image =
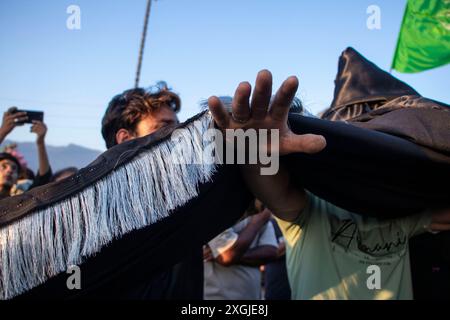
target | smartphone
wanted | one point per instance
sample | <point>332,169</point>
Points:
<point>32,115</point>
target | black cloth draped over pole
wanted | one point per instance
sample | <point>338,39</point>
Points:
<point>388,150</point>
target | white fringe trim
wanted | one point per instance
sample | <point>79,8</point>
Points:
<point>143,191</point>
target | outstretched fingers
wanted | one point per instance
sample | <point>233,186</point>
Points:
<point>261,95</point>
<point>219,113</point>
<point>279,109</point>
<point>241,106</point>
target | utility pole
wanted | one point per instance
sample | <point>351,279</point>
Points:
<point>143,37</point>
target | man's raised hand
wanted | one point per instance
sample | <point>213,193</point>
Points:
<point>261,113</point>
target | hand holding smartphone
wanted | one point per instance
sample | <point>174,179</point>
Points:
<point>30,114</point>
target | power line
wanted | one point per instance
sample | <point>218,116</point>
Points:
<point>61,116</point>
<point>77,128</point>
<point>86,105</point>
<point>143,37</point>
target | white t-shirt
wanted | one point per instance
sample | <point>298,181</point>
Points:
<point>236,282</point>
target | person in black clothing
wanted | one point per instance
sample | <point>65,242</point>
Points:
<point>12,119</point>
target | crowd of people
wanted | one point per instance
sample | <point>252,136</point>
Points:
<point>289,244</point>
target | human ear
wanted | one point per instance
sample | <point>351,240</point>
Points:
<point>123,135</point>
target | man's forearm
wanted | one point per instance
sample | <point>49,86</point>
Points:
<point>440,220</point>
<point>240,247</point>
<point>277,192</point>
<point>2,136</point>
<point>44,165</point>
<point>259,256</point>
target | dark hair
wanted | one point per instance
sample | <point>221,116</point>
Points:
<point>60,173</point>
<point>127,109</point>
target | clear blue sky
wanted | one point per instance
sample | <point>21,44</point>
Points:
<point>200,47</point>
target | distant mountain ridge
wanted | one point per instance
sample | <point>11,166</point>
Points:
<point>71,155</point>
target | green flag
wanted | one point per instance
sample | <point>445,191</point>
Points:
<point>424,40</point>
